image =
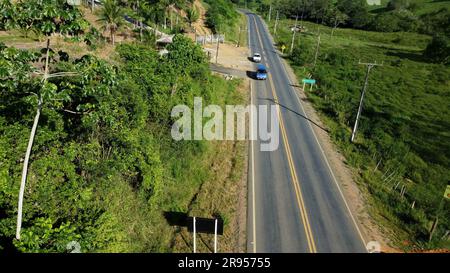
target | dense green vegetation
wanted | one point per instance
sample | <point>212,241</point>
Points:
<point>103,166</point>
<point>221,14</point>
<point>42,17</point>
<point>420,16</point>
<point>401,151</point>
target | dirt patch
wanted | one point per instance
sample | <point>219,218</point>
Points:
<point>230,56</point>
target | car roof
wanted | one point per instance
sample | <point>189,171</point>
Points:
<point>261,67</point>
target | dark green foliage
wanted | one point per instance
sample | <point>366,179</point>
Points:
<point>437,22</point>
<point>398,4</point>
<point>45,16</point>
<point>220,14</point>
<point>302,54</point>
<point>438,50</point>
<point>103,166</point>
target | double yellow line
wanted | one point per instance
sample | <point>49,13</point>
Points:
<point>295,180</point>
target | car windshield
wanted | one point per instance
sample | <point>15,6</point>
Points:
<point>262,71</point>
<point>257,55</point>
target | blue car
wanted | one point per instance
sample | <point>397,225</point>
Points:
<point>261,72</point>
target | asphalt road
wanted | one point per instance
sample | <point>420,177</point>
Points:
<point>295,203</point>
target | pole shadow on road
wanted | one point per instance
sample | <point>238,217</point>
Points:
<point>297,113</point>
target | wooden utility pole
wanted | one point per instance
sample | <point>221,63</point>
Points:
<point>239,37</point>
<point>293,34</point>
<point>217,50</point>
<point>270,12</point>
<point>276,23</point>
<point>171,19</point>
<point>317,51</point>
<point>195,35</point>
<point>446,197</point>
<point>358,115</point>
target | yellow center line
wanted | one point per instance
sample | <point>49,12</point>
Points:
<point>295,180</point>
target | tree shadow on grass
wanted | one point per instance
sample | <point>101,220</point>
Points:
<point>413,56</point>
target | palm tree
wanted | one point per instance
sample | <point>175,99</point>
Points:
<point>112,18</point>
<point>192,16</point>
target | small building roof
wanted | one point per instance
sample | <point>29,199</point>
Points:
<point>165,39</point>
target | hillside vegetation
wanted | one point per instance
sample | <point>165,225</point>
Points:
<point>401,150</point>
<point>104,167</point>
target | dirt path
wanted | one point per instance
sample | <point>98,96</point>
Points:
<point>200,25</point>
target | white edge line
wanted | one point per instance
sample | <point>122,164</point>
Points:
<point>320,146</point>
<point>252,148</point>
<point>253,170</point>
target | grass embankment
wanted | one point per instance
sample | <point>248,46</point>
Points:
<point>219,189</point>
<point>399,155</point>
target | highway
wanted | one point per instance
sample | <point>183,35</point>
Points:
<point>295,203</point>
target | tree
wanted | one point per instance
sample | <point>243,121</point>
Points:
<point>7,15</point>
<point>45,18</point>
<point>438,50</point>
<point>111,17</point>
<point>335,18</point>
<point>398,4</point>
<point>319,9</point>
<point>357,12</point>
<point>192,15</point>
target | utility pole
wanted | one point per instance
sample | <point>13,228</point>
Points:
<point>217,50</point>
<point>195,231</point>
<point>293,34</point>
<point>358,115</point>
<point>446,197</point>
<point>317,51</point>
<point>171,19</point>
<point>195,35</point>
<point>45,76</point>
<point>270,12</point>
<point>239,37</point>
<point>276,23</point>
<point>215,235</point>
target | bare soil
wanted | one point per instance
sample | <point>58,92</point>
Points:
<point>200,25</point>
<point>230,56</point>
